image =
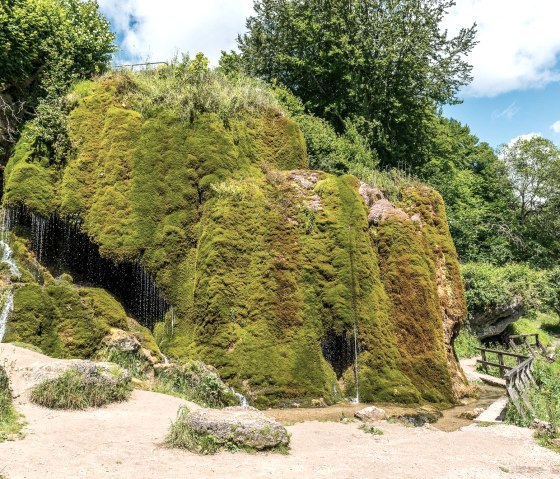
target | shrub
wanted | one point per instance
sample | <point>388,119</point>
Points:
<point>466,344</point>
<point>488,286</point>
<point>197,382</point>
<point>81,387</point>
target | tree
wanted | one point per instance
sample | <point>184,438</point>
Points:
<point>477,192</point>
<point>45,46</point>
<point>533,166</point>
<point>383,64</point>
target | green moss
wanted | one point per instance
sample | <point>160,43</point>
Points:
<point>66,321</point>
<point>263,263</point>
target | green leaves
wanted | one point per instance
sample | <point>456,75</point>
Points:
<point>385,63</point>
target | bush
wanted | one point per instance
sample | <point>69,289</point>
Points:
<point>466,344</point>
<point>488,287</point>
<point>81,387</point>
<point>197,382</point>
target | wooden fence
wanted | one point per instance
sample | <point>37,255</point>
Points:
<point>518,378</point>
<point>517,341</point>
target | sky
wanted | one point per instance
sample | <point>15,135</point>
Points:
<point>516,63</point>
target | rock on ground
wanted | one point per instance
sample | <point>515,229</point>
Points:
<point>243,426</point>
<point>371,413</point>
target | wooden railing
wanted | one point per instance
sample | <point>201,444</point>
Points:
<point>504,368</point>
<point>139,66</point>
<point>518,381</point>
<point>517,341</point>
<point>518,378</point>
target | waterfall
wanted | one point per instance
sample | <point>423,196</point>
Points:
<point>242,399</point>
<point>357,398</point>
<point>7,308</point>
<point>61,246</point>
<point>6,249</point>
<point>7,259</point>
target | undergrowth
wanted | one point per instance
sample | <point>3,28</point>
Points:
<point>77,389</point>
<point>9,418</point>
<point>196,382</point>
<point>545,400</point>
<point>467,344</point>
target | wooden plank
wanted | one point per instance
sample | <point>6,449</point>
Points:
<point>505,353</point>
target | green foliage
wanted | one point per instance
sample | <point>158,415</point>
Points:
<point>545,399</point>
<point>466,344</point>
<point>384,63</point>
<point>552,293</point>
<point>544,324</point>
<point>533,165</point>
<point>477,193</point>
<point>196,382</point>
<point>81,389</point>
<point>46,46</point>
<point>9,418</point>
<point>374,431</point>
<point>489,286</point>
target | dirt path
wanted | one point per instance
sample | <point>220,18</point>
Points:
<point>123,441</point>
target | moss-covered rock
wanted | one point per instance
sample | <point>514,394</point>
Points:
<point>275,273</point>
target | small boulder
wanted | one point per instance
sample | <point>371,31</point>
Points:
<point>370,413</point>
<point>245,427</point>
<point>471,414</point>
<point>542,427</point>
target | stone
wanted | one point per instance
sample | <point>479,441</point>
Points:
<point>542,427</point>
<point>370,413</point>
<point>247,427</point>
<point>472,414</point>
<point>494,321</point>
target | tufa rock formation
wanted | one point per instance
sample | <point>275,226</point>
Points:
<point>294,284</point>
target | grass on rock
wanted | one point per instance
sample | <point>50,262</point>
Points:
<point>76,389</point>
<point>10,424</point>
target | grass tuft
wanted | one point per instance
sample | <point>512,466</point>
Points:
<point>371,430</point>
<point>82,389</point>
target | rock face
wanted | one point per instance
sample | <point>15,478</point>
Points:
<point>247,427</point>
<point>494,321</point>
<point>293,283</point>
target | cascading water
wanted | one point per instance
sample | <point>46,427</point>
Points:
<point>7,259</point>
<point>242,399</point>
<point>7,308</point>
<point>357,398</point>
<point>60,245</point>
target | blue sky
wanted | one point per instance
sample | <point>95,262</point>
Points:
<point>516,68</point>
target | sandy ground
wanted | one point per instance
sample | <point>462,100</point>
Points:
<point>124,441</point>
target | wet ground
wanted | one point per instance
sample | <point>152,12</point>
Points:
<point>450,420</point>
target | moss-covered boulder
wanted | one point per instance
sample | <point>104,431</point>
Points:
<point>295,284</point>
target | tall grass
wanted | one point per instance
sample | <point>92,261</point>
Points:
<point>78,389</point>
<point>190,87</point>
<point>545,399</point>
<point>9,418</point>
<point>196,382</point>
<point>467,344</point>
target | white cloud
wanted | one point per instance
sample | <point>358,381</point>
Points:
<point>163,28</point>
<point>519,42</point>
<point>555,127</point>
